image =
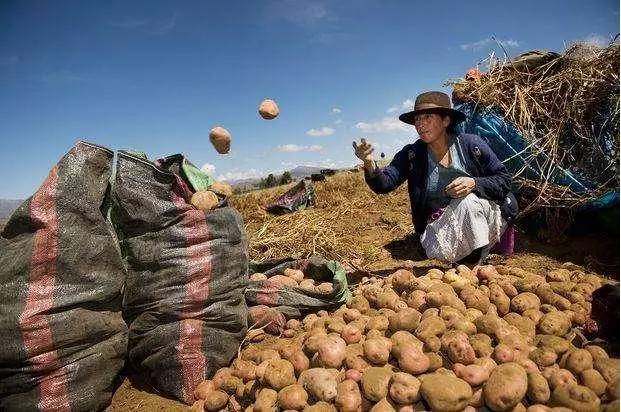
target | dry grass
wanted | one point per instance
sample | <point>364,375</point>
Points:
<point>349,222</point>
<point>568,112</point>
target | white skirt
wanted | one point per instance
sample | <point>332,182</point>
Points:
<point>467,223</point>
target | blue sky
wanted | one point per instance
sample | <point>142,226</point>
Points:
<point>158,75</point>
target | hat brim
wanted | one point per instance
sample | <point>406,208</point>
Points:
<point>456,115</point>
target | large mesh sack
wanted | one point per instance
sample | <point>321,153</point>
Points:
<point>62,337</point>
<point>295,302</point>
<point>187,270</point>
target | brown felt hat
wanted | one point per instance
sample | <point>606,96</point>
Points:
<point>433,102</point>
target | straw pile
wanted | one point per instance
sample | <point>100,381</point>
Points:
<point>567,109</point>
<point>348,223</point>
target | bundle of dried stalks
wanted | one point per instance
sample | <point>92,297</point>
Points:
<point>348,223</point>
<point>567,110</point>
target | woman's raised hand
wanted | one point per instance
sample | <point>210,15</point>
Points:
<point>364,150</point>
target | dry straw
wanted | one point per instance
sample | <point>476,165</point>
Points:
<point>349,222</point>
<point>567,109</point>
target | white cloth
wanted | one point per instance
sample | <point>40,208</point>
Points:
<point>467,224</point>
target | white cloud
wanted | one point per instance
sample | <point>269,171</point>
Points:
<point>336,110</point>
<point>407,104</point>
<point>338,121</point>
<point>387,124</point>
<point>597,40</point>
<point>208,168</point>
<point>323,131</point>
<point>238,174</point>
<point>477,45</point>
<point>392,109</point>
<point>298,148</point>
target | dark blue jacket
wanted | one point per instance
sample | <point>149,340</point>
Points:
<point>493,180</point>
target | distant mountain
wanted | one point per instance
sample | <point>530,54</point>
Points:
<point>300,172</point>
<point>297,173</point>
<point>7,206</point>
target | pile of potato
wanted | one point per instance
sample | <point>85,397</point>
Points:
<point>295,278</point>
<point>492,338</point>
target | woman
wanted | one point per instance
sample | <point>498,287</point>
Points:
<point>459,190</point>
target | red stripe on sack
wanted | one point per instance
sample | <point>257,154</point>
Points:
<point>199,269</point>
<point>33,321</point>
<point>268,294</point>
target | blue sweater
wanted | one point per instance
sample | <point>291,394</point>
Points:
<point>492,179</point>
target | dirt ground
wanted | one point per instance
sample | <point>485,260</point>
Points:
<point>381,245</point>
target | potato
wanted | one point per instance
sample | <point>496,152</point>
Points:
<point>460,351</point>
<point>383,406</point>
<point>608,367</point>
<point>575,397</point>
<point>543,357</point>
<point>538,390</point>
<point>525,301</point>
<point>430,326</point>
<point>412,360</point>
<point>378,322</point>
<point>203,389</point>
<point>503,353</point>
<point>435,361</point>
<point>222,375</point>
<point>487,363</point>
<point>593,380</point>
<point>445,393</point>
<point>350,315</point>
<point>220,139</point>
<point>406,319</point>
<point>270,319</point>
<point>402,281</point>
<point>375,382</point>
<point>498,297</point>
<point>278,374</point>
<point>204,200</point>
<point>325,288</point>
<point>404,388</point>
<point>561,377</point>
<point>475,375</point>
<point>320,406</point>
<point>579,360</point>
<point>533,314</point>
<point>281,280</point>
<point>482,345</point>
<point>401,338</point>
<point>356,362</point>
<point>612,390</point>
<point>554,323</point>
<point>299,361</point>
<point>558,344</point>
<point>417,300</point>
<point>319,383</point>
<point>198,406</point>
<point>348,397</point>
<point>486,273</point>
<point>292,397</point>
<point>351,334</point>
<point>294,274</point>
<point>377,351</point>
<point>230,384</point>
<point>268,109</point>
<point>506,386</point>
<point>307,284</point>
<point>258,277</point>
<point>353,374</point>
<point>475,299</point>
<point>525,326</point>
<point>216,401</point>
<point>332,351</point>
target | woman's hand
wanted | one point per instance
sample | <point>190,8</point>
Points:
<point>363,151</point>
<point>460,187</point>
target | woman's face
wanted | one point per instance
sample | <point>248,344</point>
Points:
<point>431,126</point>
